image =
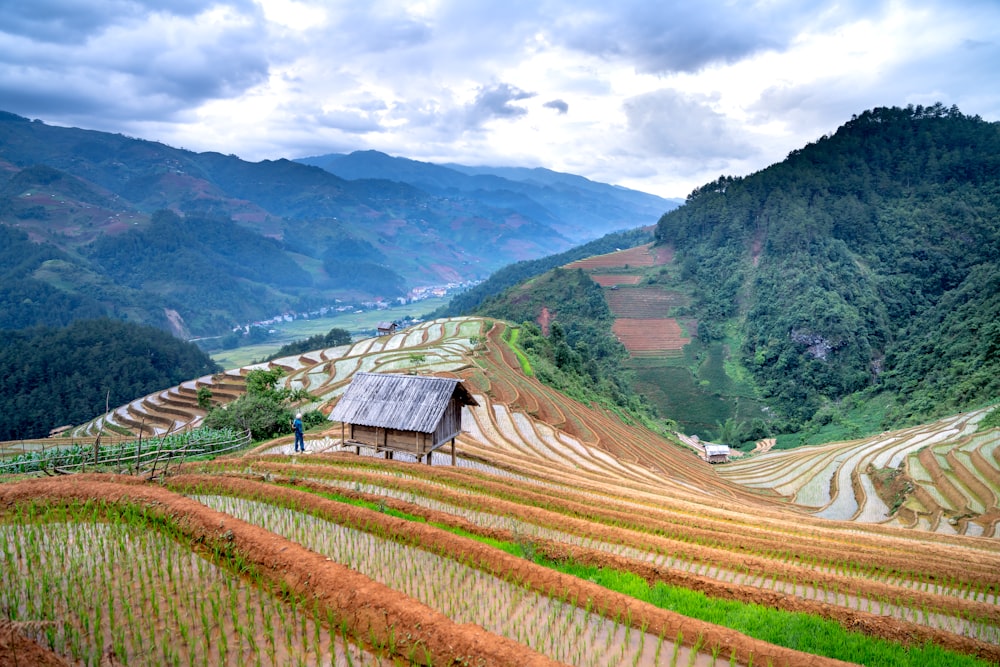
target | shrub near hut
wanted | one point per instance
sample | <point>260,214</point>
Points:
<point>264,410</point>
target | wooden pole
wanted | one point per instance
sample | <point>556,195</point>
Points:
<point>453,452</point>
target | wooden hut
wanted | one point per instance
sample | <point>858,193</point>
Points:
<point>413,414</point>
<point>386,328</point>
<point>716,453</point>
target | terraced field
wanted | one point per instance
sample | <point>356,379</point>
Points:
<point>612,279</point>
<point>650,337</point>
<point>641,313</point>
<point>947,477</point>
<point>639,256</point>
<point>563,536</point>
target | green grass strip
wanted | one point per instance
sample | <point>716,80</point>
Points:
<point>357,502</point>
<point>794,630</point>
<point>515,333</point>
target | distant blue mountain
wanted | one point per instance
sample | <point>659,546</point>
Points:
<point>104,224</point>
<point>575,207</point>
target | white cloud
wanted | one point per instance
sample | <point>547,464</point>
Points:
<point>657,96</point>
<point>666,123</point>
<point>558,105</point>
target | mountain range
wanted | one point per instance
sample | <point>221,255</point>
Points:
<point>104,224</point>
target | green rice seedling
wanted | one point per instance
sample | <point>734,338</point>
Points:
<point>677,647</point>
<point>461,597</point>
<point>698,642</point>
<point>122,564</point>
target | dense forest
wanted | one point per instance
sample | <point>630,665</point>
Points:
<point>866,263</point>
<point>26,301</point>
<point>210,270</point>
<point>57,376</point>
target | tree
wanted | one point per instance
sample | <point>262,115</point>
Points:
<point>204,397</point>
<point>264,410</point>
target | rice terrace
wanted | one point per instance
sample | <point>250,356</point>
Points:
<point>561,534</point>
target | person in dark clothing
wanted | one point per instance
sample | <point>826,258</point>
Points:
<point>300,443</point>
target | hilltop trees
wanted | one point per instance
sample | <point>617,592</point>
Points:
<point>59,376</point>
<point>843,268</point>
<point>578,354</point>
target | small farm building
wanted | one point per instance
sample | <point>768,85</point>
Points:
<point>716,453</point>
<point>386,328</point>
<point>413,414</point>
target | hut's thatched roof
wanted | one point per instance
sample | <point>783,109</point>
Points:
<point>404,402</point>
<point>716,450</point>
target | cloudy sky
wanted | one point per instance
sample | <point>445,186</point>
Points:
<point>660,96</point>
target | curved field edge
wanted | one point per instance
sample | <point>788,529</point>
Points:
<point>872,624</point>
<point>501,564</point>
<point>706,534</point>
<point>368,609</point>
<point>560,554</point>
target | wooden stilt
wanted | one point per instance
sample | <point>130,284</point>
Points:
<point>453,452</point>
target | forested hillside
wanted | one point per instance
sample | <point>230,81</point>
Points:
<point>67,375</point>
<point>865,265</point>
<point>565,337</point>
<point>238,241</point>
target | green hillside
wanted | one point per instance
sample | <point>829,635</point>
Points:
<point>199,242</point>
<point>864,265</point>
<point>66,375</point>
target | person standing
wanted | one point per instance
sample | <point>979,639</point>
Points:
<point>300,443</point>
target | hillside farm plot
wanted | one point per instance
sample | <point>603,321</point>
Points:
<point>545,487</point>
<point>643,302</point>
<point>641,323</point>
<point>957,481</point>
<point>611,279</point>
<point>639,256</point>
<point>815,587</point>
<point>646,337</point>
<point>954,484</point>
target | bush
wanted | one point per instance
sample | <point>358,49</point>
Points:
<point>991,420</point>
<point>264,410</point>
<point>263,415</point>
